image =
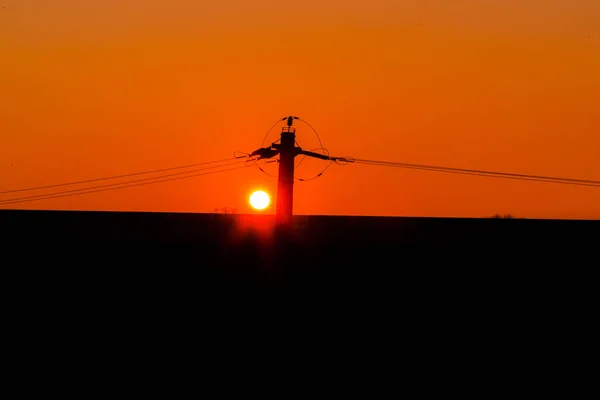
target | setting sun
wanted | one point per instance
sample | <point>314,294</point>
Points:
<point>259,200</point>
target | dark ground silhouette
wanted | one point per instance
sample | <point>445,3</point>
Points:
<point>110,282</point>
<point>322,251</point>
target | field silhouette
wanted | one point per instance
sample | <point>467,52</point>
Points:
<point>337,252</point>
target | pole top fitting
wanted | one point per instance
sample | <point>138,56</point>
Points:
<point>290,120</point>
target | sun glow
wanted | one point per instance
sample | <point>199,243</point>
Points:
<point>260,200</point>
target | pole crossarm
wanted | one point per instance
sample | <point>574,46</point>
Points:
<point>265,152</point>
<point>275,148</point>
<point>324,157</point>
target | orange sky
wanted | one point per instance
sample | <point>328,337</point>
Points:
<point>96,88</point>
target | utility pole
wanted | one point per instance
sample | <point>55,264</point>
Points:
<point>287,150</point>
<point>284,248</point>
<point>285,182</point>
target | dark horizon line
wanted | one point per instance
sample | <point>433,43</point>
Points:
<point>272,215</point>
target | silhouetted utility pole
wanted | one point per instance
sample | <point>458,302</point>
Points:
<point>285,182</point>
<point>287,150</point>
<point>283,261</point>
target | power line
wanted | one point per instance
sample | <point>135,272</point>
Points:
<point>115,177</point>
<point>324,150</point>
<point>319,174</point>
<point>314,130</point>
<point>262,170</point>
<point>270,129</point>
<point>326,154</point>
<point>491,174</point>
<point>88,191</point>
<point>476,172</point>
<point>27,198</point>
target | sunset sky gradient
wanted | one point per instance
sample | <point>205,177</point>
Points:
<point>97,88</point>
